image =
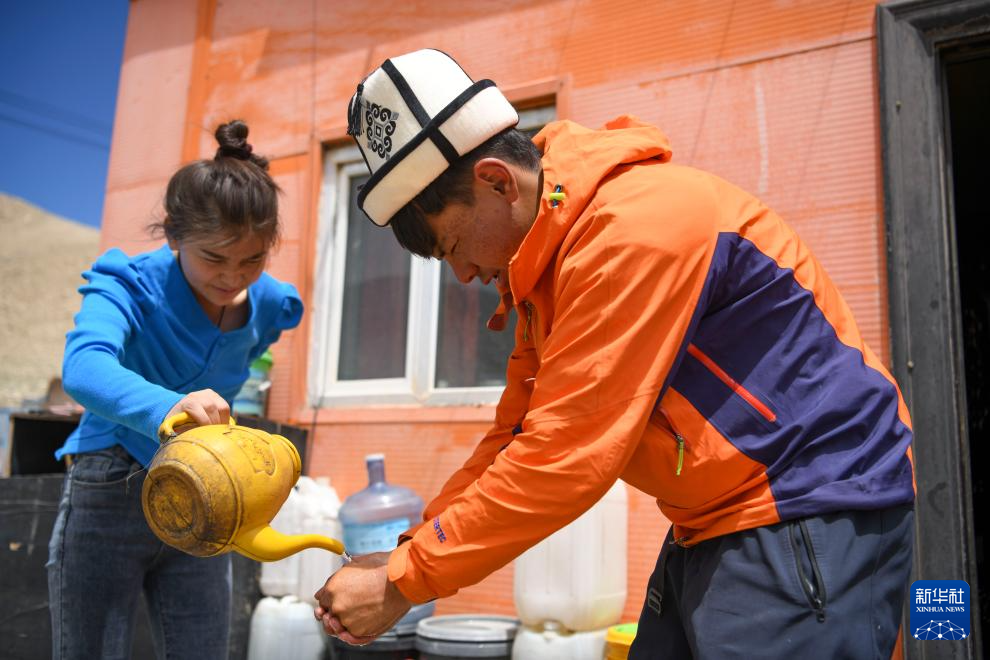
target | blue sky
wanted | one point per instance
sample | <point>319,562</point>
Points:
<point>59,67</point>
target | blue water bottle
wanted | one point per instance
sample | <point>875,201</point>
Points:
<point>373,518</point>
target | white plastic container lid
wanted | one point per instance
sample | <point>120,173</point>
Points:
<point>466,635</point>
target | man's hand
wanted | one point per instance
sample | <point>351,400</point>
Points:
<point>358,603</point>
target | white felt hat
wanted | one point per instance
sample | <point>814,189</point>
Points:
<point>411,118</point>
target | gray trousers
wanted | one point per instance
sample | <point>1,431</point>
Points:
<point>103,556</point>
<point>829,587</point>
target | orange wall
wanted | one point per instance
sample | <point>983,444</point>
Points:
<point>777,97</point>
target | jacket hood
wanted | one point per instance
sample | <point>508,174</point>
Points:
<point>577,159</point>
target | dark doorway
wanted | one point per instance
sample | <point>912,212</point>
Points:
<point>967,87</point>
<point>934,68</point>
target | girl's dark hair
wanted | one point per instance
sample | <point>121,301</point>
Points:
<point>230,195</point>
<point>455,186</point>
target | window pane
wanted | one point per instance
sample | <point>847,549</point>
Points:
<point>376,299</point>
<point>468,353</point>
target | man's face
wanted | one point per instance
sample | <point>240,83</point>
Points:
<point>478,240</point>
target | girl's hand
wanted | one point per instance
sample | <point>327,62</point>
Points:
<point>205,407</point>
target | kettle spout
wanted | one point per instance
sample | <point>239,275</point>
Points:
<point>266,544</point>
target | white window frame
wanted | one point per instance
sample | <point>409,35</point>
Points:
<point>416,387</point>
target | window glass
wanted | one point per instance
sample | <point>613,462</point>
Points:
<point>468,353</point>
<point>392,328</point>
<point>375,311</point>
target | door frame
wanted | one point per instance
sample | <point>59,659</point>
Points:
<point>922,268</point>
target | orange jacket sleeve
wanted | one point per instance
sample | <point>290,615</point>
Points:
<point>626,285</point>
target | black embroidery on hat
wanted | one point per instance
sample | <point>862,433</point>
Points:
<point>380,122</point>
<point>427,133</point>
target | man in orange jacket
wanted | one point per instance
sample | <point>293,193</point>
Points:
<point>673,332</point>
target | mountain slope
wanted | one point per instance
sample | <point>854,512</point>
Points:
<point>41,258</point>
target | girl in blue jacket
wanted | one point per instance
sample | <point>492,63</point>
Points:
<point>167,331</point>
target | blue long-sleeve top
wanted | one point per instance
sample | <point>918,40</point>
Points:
<point>142,341</point>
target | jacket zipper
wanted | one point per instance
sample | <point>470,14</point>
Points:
<point>679,540</point>
<point>678,437</point>
<point>529,319</point>
<point>731,383</point>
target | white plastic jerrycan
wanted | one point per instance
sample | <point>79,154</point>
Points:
<point>577,576</point>
<point>285,628</point>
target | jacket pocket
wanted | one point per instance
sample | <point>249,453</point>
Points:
<point>806,564</point>
<point>661,419</point>
<point>751,400</point>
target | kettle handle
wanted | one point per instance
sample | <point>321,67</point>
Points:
<point>167,432</point>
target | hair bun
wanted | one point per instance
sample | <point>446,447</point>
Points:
<point>232,138</point>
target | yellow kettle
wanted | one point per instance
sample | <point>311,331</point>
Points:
<point>213,489</point>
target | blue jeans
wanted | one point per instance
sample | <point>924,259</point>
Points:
<point>820,588</point>
<point>102,556</point>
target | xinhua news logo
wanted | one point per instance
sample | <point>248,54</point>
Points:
<point>940,609</point>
